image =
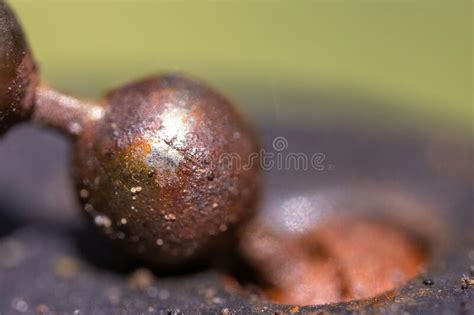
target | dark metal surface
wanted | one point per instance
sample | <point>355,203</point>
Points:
<point>38,227</point>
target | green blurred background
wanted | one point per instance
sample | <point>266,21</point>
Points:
<point>282,59</point>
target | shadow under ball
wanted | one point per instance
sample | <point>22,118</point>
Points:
<point>17,72</point>
<point>154,170</point>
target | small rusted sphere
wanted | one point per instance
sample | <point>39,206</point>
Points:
<point>17,71</point>
<point>154,172</point>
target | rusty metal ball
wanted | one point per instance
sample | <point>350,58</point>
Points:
<point>17,71</point>
<point>168,169</point>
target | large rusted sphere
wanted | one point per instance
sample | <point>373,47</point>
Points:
<point>154,173</point>
<point>17,71</point>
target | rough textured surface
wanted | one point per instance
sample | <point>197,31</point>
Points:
<point>17,71</point>
<point>39,228</point>
<point>167,171</point>
<point>332,259</point>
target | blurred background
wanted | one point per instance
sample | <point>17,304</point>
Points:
<point>397,64</point>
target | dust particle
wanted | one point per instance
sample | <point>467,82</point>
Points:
<point>428,282</point>
<point>20,305</point>
<point>210,176</point>
<point>74,128</point>
<point>136,190</point>
<point>225,311</point>
<point>141,279</point>
<point>294,309</point>
<point>152,292</point>
<point>170,217</point>
<point>11,253</point>
<point>102,220</point>
<point>66,267</point>
<point>84,193</point>
<point>210,293</point>
<point>88,207</point>
<point>42,309</point>
<point>113,295</point>
<point>163,294</point>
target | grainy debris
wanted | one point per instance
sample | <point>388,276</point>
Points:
<point>466,282</point>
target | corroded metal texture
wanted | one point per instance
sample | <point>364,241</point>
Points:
<point>338,259</point>
<point>154,173</point>
<point>17,71</point>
